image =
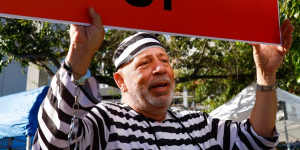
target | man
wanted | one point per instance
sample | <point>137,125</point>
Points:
<point>144,121</point>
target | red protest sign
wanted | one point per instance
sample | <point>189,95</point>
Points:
<point>244,20</point>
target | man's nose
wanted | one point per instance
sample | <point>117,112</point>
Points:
<point>159,68</point>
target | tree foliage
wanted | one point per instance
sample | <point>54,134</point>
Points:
<point>212,70</point>
<point>217,73</point>
<point>291,9</point>
<point>32,41</point>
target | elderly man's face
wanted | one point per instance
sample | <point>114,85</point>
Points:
<point>149,78</point>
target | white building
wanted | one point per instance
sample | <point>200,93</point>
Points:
<point>13,79</point>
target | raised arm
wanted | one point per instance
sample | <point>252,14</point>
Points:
<point>56,112</point>
<point>268,59</point>
<point>84,42</point>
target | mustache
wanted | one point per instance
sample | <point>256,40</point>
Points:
<point>160,79</point>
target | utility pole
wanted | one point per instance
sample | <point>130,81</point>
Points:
<point>185,98</point>
<point>282,106</point>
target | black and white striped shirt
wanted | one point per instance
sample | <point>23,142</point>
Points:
<point>117,126</point>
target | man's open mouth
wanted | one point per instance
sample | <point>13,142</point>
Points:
<point>159,85</point>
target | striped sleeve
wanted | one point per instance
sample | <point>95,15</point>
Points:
<point>240,135</point>
<point>55,115</point>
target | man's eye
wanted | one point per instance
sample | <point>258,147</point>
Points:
<point>143,63</point>
<point>165,60</point>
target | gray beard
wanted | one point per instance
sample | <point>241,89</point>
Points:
<point>156,101</point>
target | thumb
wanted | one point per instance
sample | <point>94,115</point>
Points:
<point>96,20</point>
<point>256,48</point>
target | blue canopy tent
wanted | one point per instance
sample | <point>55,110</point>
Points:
<point>18,117</point>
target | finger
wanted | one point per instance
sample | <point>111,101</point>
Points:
<point>290,36</point>
<point>72,30</point>
<point>287,36</point>
<point>256,48</point>
<point>286,27</point>
<point>282,51</point>
<point>74,27</point>
<point>253,44</point>
<point>289,41</point>
<point>75,31</point>
<point>283,26</point>
<point>96,20</point>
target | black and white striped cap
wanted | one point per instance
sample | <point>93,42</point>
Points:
<point>132,46</point>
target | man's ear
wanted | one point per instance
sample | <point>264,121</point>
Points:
<point>120,81</point>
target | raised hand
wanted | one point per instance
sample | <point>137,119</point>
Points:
<point>84,42</point>
<point>268,58</point>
